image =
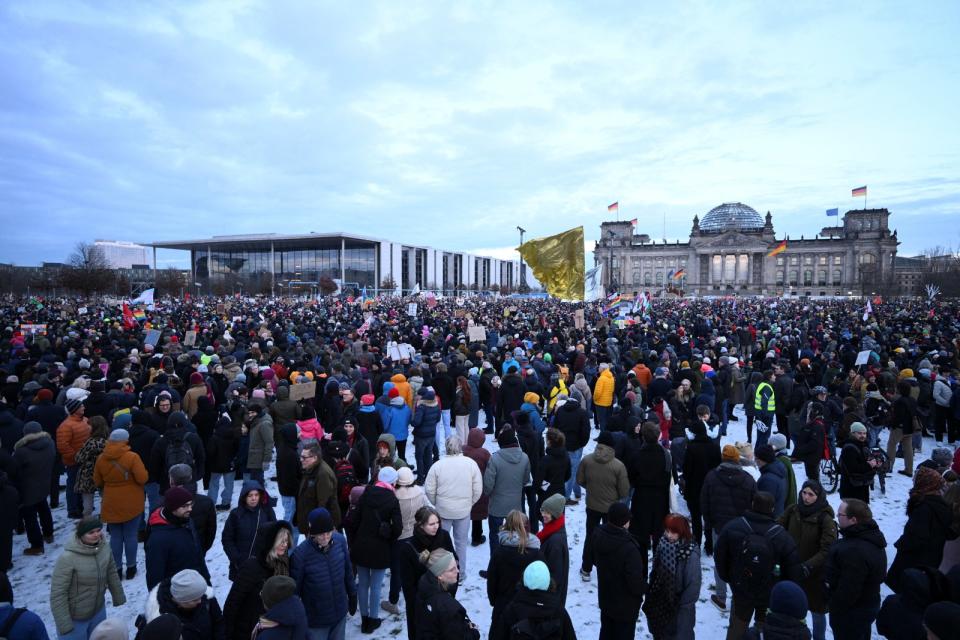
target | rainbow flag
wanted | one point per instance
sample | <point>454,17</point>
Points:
<point>777,250</point>
<point>859,191</point>
<point>138,314</point>
<point>679,274</point>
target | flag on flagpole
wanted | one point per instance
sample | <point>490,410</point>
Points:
<point>557,263</point>
<point>613,208</point>
<point>138,314</point>
<point>680,274</point>
<point>145,298</point>
<point>634,222</point>
<point>867,311</point>
<point>128,321</point>
<point>777,250</point>
<point>670,274</point>
<point>416,290</point>
<point>859,191</point>
<point>833,212</point>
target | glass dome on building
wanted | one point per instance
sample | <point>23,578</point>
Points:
<point>732,216</point>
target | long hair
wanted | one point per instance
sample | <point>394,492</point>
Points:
<point>464,389</point>
<point>517,522</point>
<point>679,525</point>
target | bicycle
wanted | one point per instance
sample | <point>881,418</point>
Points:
<point>829,469</point>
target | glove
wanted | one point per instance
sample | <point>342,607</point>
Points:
<point>352,606</point>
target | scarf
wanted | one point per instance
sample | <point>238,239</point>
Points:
<point>818,506</point>
<point>665,586</point>
<point>549,529</point>
<point>386,486</point>
<point>280,565</point>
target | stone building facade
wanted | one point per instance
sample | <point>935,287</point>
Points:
<point>726,254</point>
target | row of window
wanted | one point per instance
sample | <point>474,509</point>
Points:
<point>794,277</point>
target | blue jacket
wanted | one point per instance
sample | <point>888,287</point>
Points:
<point>324,580</point>
<point>291,617</point>
<point>536,420</point>
<point>773,480</point>
<point>396,421</point>
<point>425,421</point>
<point>28,626</point>
<point>239,535</point>
<point>172,547</point>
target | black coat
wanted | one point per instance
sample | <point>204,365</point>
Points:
<point>439,615</point>
<point>532,445</point>
<point>855,473</point>
<point>650,478</point>
<point>727,493</point>
<point>412,570</point>
<point>856,566</point>
<point>701,457</point>
<point>372,543</point>
<point>574,422</point>
<point>204,519</point>
<point>243,606</point>
<point>731,539</point>
<point>511,396</point>
<point>49,416</point>
<point>504,574</point>
<point>204,622</point>
<point>157,466</point>
<point>553,473</point>
<point>541,611</point>
<point>556,553</point>
<point>243,525</point>
<point>35,455</point>
<point>929,526</point>
<point>288,461</point>
<point>142,439</point>
<point>11,429</point>
<point>779,627</point>
<point>370,426</point>
<point>621,572</point>
<point>810,441</point>
<point>172,545</point>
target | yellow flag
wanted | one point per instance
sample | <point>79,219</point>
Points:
<point>557,262</point>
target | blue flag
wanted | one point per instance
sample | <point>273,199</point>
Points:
<point>833,212</point>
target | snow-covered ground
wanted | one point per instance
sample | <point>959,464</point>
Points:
<point>30,576</point>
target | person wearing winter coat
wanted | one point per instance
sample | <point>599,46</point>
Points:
<point>517,548</point>
<point>172,448</point>
<point>901,614</point>
<point>318,487</point>
<point>86,458</point>
<point>773,478</point>
<point>603,396</point>
<point>412,498</point>
<point>670,605</point>
<point>50,416</point>
<point>260,430</point>
<point>288,471</point>
<point>27,625</point>
<point>856,471</point>
<point>536,610</point>
<point>727,494</point>
<point>811,525</point>
<point>9,517</point>
<point>426,420</point>
<point>554,471</point>
<point>553,543</point>
<point>221,454</point>
<point>283,410</point>
<point>71,436</point>
<point>510,394</point>
<point>386,455</point>
<point>172,541</point>
<point>321,568</point>
<point>359,450</point>
<point>438,614</point>
<point>475,450</point>
<point>607,483</point>
<point>702,455</point>
<point>751,594</point>
<point>810,441</point>
<point>453,485</point>
<point>239,537</point>
<point>81,577</point>
<point>369,422</point>
<point>187,596</point>
<point>120,475</point>
<point>284,616</point>
<point>376,525</point>
<point>930,523</point>
<point>463,400</point>
<point>396,420</point>
<point>308,427</point>
<point>427,537</point>
<point>271,557</point>
<point>142,439</point>
<point>786,616</point>
<point>504,480</point>
<point>650,472</point>
<point>531,443</point>
<point>621,574</point>
<point>197,389</point>
<point>779,443</point>
<point>574,422</point>
<point>855,569</point>
<point>35,455</point>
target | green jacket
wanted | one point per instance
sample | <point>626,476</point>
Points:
<point>604,477</point>
<point>81,576</point>
<point>792,490</point>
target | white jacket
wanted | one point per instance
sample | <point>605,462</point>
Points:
<point>453,485</point>
<point>942,393</point>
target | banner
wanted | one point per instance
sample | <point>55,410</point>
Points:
<point>557,263</point>
<point>303,391</point>
<point>593,284</point>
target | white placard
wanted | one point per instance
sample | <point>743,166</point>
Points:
<point>412,309</point>
<point>862,358</point>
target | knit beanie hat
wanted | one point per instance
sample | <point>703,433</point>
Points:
<point>122,420</point>
<point>367,399</point>
<point>187,586</point>
<point>111,629</point>
<point>765,453</point>
<point>277,589</point>
<point>618,514</point>
<point>554,505</point>
<point>536,576</point>
<point>320,521</point>
<point>788,599</point>
<point>32,427</point>
<point>730,453</point>
<point>388,475</point>
<point>942,619</point>
<point>531,397</point>
<point>393,393</point>
<point>181,474</point>
<point>778,441</point>
<point>119,435</point>
<point>163,627</point>
<point>72,405</point>
<point>405,477</point>
<point>857,427</point>
<point>438,561</point>
<point>176,497</point>
<point>87,525</point>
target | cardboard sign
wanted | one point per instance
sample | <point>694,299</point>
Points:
<point>459,313</point>
<point>459,302</point>
<point>153,337</point>
<point>862,358</point>
<point>412,309</point>
<point>34,329</point>
<point>477,333</point>
<point>578,320</point>
<point>221,309</point>
<point>82,311</point>
<point>393,350</point>
<point>303,391</point>
<point>190,339</point>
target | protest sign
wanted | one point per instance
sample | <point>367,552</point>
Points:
<point>190,339</point>
<point>153,337</point>
<point>412,309</point>
<point>303,391</point>
<point>862,358</point>
<point>578,320</point>
<point>477,333</point>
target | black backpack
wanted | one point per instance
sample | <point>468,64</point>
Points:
<point>537,629</point>
<point>179,451</point>
<point>754,565</point>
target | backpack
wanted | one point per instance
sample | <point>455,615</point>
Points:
<point>799,394</point>
<point>179,451</point>
<point>537,629</point>
<point>346,480</point>
<point>755,563</point>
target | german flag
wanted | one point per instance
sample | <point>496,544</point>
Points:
<point>679,274</point>
<point>777,250</point>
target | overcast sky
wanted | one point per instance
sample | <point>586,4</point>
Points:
<point>448,124</point>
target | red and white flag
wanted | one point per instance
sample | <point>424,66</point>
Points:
<point>613,208</point>
<point>634,222</point>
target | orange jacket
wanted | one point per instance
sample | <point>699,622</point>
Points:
<point>644,376</point>
<point>121,474</point>
<point>403,388</point>
<point>72,434</point>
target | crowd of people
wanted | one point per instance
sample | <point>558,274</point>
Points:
<point>146,428</point>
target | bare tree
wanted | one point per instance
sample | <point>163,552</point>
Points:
<point>88,270</point>
<point>170,281</point>
<point>327,285</point>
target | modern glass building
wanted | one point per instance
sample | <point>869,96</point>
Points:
<point>275,263</point>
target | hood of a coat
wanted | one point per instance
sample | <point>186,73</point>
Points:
<point>113,450</point>
<point>476,438</point>
<point>603,453</point>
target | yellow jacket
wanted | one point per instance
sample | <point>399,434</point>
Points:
<point>603,390</point>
